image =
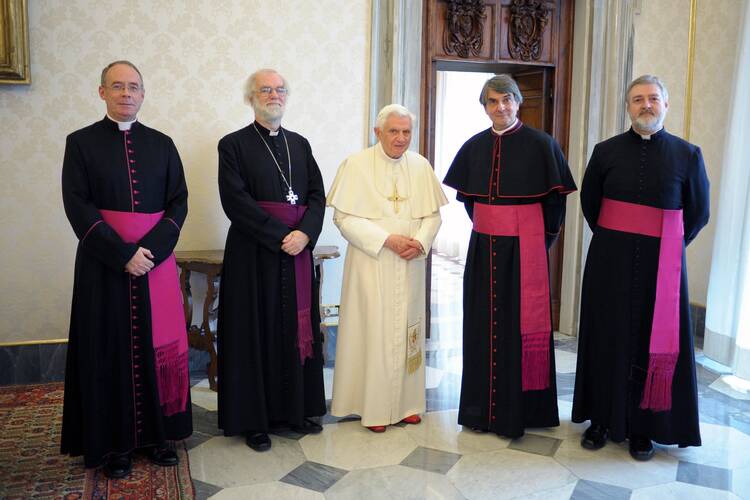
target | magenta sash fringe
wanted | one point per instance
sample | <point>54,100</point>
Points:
<point>168,331</point>
<point>291,216</point>
<point>527,223</point>
<point>664,346</point>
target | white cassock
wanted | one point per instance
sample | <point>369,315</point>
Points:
<point>379,370</point>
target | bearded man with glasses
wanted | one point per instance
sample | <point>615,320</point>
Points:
<point>269,340</point>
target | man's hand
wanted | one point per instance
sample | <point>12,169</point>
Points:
<point>294,242</point>
<point>140,263</point>
<point>405,247</point>
<point>414,250</point>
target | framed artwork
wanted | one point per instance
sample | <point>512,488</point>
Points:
<point>14,42</point>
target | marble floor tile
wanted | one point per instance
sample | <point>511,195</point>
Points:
<point>204,397</point>
<point>440,431</point>
<point>741,482</point>
<point>431,460</point>
<point>196,439</point>
<point>275,491</point>
<point>681,491</point>
<point>205,421</point>
<point>538,445</point>
<point>351,446</point>
<point>614,465</point>
<point>723,447</point>
<point>203,490</point>
<point>565,362</point>
<point>591,490</point>
<point>705,475</point>
<point>560,493</point>
<point>328,382</point>
<point>228,462</point>
<point>732,386</point>
<point>393,482</point>
<point>314,476</point>
<point>433,377</point>
<point>507,474</point>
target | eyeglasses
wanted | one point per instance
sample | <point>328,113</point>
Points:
<point>132,87</point>
<point>268,90</point>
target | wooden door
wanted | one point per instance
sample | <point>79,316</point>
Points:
<point>529,39</point>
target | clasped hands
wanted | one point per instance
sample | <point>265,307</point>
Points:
<point>294,242</point>
<point>141,262</point>
<point>406,248</point>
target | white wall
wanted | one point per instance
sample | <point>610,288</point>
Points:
<point>194,55</point>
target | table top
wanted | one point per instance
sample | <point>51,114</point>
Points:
<point>217,256</point>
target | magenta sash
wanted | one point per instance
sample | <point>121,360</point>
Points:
<point>664,346</point>
<point>168,332</point>
<point>527,223</point>
<point>291,215</point>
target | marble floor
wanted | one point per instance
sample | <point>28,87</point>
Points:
<point>439,459</point>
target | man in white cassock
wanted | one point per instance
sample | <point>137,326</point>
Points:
<point>387,205</point>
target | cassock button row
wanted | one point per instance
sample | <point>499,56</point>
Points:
<point>135,181</point>
<point>137,202</point>
<point>493,417</point>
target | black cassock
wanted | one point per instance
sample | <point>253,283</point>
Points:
<point>529,168</point>
<point>619,288</point>
<point>111,395</point>
<point>262,382</point>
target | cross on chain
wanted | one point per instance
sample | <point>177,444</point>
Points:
<point>291,197</point>
<point>395,198</point>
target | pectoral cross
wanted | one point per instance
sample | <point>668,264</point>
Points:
<point>291,197</point>
<point>395,198</point>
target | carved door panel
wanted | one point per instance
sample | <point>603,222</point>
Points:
<point>529,39</point>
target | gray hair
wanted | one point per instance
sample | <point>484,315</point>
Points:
<point>503,84</point>
<point>645,80</point>
<point>250,83</point>
<point>393,109</point>
<point>115,63</point>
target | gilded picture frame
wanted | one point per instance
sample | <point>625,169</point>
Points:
<point>14,42</point>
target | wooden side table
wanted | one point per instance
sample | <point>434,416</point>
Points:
<point>208,263</point>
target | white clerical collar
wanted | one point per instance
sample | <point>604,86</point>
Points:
<point>647,137</point>
<point>122,125</point>
<point>501,132</point>
<point>384,155</point>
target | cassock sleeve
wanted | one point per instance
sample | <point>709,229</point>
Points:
<point>361,232</point>
<point>592,189</point>
<point>162,238</point>
<point>95,236</point>
<point>312,222</point>
<point>695,197</point>
<point>425,235</point>
<point>241,209</point>
<point>553,205</point>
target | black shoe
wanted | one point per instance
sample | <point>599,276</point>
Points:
<point>308,427</point>
<point>595,437</point>
<point>641,448</point>
<point>164,456</point>
<point>118,466</point>
<point>259,441</point>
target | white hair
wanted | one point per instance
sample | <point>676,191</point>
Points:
<point>645,80</point>
<point>250,83</point>
<point>393,109</point>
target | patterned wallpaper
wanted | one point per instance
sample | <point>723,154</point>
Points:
<point>661,48</point>
<point>195,56</point>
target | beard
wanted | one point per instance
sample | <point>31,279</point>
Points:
<point>269,112</point>
<point>650,122</point>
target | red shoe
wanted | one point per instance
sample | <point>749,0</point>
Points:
<point>413,419</point>
<point>377,428</point>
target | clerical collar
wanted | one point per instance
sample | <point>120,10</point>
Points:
<point>506,129</point>
<point>648,137</point>
<point>384,155</point>
<point>122,125</point>
<point>272,133</point>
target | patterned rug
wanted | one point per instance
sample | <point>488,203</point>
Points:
<point>31,465</point>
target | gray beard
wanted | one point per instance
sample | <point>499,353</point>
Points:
<point>267,114</point>
<point>650,123</point>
